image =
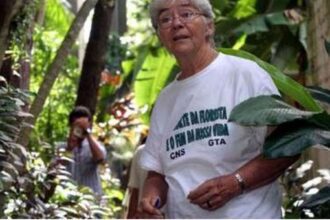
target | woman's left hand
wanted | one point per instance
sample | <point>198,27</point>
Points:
<point>216,192</point>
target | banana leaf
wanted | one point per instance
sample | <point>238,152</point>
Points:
<point>267,110</point>
<point>292,138</point>
<point>297,130</point>
<point>152,77</point>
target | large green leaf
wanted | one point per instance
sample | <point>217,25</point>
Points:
<point>277,18</point>
<point>219,4</point>
<point>244,8</point>
<point>266,110</point>
<point>272,110</point>
<point>286,51</point>
<point>152,76</point>
<point>261,23</point>
<point>284,83</point>
<point>225,26</point>
<point>257,24</point>
<point>297,130</point>
<point>294,137</point>
<point>319,198</point>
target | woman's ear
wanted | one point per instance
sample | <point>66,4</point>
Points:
<point>210,28</point>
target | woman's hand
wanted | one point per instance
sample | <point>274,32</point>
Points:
<point>216,192</point>
<point>149,208</point>
<point>153,197</point>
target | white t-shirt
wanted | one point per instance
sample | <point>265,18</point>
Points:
<point>191,140</point>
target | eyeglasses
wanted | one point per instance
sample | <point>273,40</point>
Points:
<point>165,20</point>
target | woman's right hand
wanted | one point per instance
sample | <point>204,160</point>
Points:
<point>149,209</point>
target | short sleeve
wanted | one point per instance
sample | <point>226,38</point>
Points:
<point>150,157</point>
<point>266,84</point>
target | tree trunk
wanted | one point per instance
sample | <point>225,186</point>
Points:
<point>25,61</point>
<point>8,9</point>
<point>19,77</point>
<point>95,56</point>
<point>54,69</point>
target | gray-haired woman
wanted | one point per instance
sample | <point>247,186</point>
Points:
<point>199,164</point>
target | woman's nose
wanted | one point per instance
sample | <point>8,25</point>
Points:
<point>176,22</point>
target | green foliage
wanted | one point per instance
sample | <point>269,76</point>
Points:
<point>20,32</point>
<point>12,155</point>
<point>57,17</point>
<point>244,8</point>
<point>152,77</point>
<point>296,130</point>
<point>26,181</point>
<point>52,123</point>
<point>219,5</point>
<point>267,110</point>
<point>287,140</point>
<point>275,30</point>
<point>66,201</point>
<point>306,198</point>
<point>262,23</point>
<point>122,132</point>
<point>115,80</point>
<point>113,196</point>
<point>117,51</point>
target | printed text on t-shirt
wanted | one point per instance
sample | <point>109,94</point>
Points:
<point>210,128</point>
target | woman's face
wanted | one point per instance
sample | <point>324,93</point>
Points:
<point>182,28</point>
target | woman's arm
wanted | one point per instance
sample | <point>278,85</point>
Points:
<point>261,171</point>
<point>133,203</point>
<point>154,195</point>
<point>258,172</point>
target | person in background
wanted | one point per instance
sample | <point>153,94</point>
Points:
<point>137,177</point>
<point>87,152</point>
<point>200,164</point>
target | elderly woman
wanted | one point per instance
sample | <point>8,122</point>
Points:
<point>200,165</point>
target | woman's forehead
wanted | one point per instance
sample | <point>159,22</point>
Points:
<point>169,4</point>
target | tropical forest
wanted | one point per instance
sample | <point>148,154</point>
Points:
<point>105,55</point>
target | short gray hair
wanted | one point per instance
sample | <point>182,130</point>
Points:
<point>203,6</point>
